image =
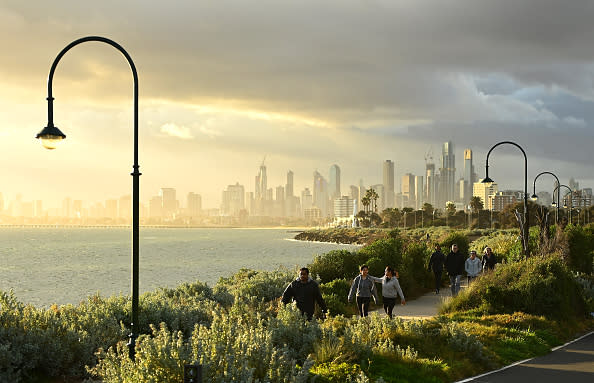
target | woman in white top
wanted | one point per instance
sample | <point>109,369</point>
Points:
<point>390,289</point>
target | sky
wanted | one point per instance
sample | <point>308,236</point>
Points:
<point>301,85</point>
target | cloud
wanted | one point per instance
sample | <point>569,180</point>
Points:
<point>174,130</point>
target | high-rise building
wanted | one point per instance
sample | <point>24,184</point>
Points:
<point>306,199</point>
<point>447,174</point>
<point>419,192</point>
<point>343,207</point>
<point>430,188</point>
<point>320,193</point>
<point>484,190</point>
<point>233,200</point>
<point>334,190</point>
<point>194,204</point>
<point>388,180</point>
<point>289,185</point>
<point>407,189</point>
<point>573,184</point>
<point>468,177</point>
<point>261,183</point>
<point>169,200</point>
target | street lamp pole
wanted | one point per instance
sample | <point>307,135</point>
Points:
<point>570,193</point>
<point>51,135</point>
<point>535,197</point>
<point>526,223</point>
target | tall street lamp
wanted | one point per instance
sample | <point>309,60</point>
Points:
<point>570,194</point>
<point>524,225</point>
<point>50,136</point>
<point>535,197</point>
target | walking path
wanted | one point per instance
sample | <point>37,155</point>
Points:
<point>570,363</point>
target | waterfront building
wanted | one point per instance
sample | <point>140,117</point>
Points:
<point>233,200</point>
<point>320,193</point>
<point>343,207</point>
<point>483,191</point>
<point>194,204</point>
<point>169,201</point>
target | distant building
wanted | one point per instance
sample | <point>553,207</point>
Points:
<point>447,174</point>
<point>233,200</point>
<point>388,182</point>
<point>334,189</point>
<point>194,205</point>
<point>343,207</point>
<point>169,201</point>
<point>467,190</point>
<point>500,200</point>
<point>483,191</point>
<point>408,190</point>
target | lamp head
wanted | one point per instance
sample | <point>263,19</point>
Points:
<point>554,204</point>
<point>534,197</point>
<point>487,180</point>
<point>50,136</point>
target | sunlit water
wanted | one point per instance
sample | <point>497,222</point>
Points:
<point>45,266</point>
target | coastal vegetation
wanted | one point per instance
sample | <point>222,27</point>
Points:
<point>239,331</point>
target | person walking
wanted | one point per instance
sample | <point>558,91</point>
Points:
<point>489,259</point>
<point>472,266</point>
<point>305,292</point>
<point>390,290</point>
<point>454,264</point>
<point>363,289</point>
<point>436,265</point>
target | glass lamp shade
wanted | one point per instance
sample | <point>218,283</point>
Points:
<point>534,197</point>
<point>50,137</point>
<point>51,142</point>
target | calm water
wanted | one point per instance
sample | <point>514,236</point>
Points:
<point>45,266</point>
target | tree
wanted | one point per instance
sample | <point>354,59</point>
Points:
<point>390,217</point>
<point>373,196</point>
<point>365,201</point>
<point>451,208</point>
<point>476,204</point>
<point>428,208</point>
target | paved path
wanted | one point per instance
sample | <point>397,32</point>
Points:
<point>421,308</point>
<point>572,363</point>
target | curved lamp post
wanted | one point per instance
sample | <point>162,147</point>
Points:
<point>535,197</point>
<point>50,136</point>
<point>570,193</point>
<point>526,225</point>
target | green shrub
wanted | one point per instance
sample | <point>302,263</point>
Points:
<point>539,285</point>
<point>335,264</point>
<point>455,238</point>
<point>263,285</point>
<point>580,240</point>
<point>413,269</point>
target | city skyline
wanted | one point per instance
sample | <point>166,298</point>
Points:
<point>220,90</point>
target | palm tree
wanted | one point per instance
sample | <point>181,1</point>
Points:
<point>476,204</point>
<point>365,201</point>
<point>373,196</point>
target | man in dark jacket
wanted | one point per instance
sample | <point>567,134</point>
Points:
<point>306,292</point>
<point>436,265</point>
<point>454,264</point>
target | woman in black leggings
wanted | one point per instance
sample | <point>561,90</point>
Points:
<point>363,289</point>
<point>390,289</point>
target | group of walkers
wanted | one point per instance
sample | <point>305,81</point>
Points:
<point>455,265</point>
<point>306,292</point>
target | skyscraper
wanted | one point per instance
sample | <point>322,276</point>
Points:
<point>430,189</point>
<point>194,204</point>
<point>261,183</point>
<point>233,200</point>
<point>289,185</point>
<point>408,189</point>
<point>320,193</point>
<point>389,183</point>
<point>447,174</point>
<point>169,201</point>
<point>334,189</point>
<point>468,176</point>
<point>419,192</point>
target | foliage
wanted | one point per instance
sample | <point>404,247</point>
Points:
<point>539,285</point>
<point>455,238</point>
<point>262,285</point>
<point>335,264</point>
<point>580,245</point>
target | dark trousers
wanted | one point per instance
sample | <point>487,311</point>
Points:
<point>389,304</point>
<point>437,275</point>
<point>363,305</point>
<point>470,279</point>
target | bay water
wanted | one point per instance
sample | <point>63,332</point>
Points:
<point>66,265</point>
